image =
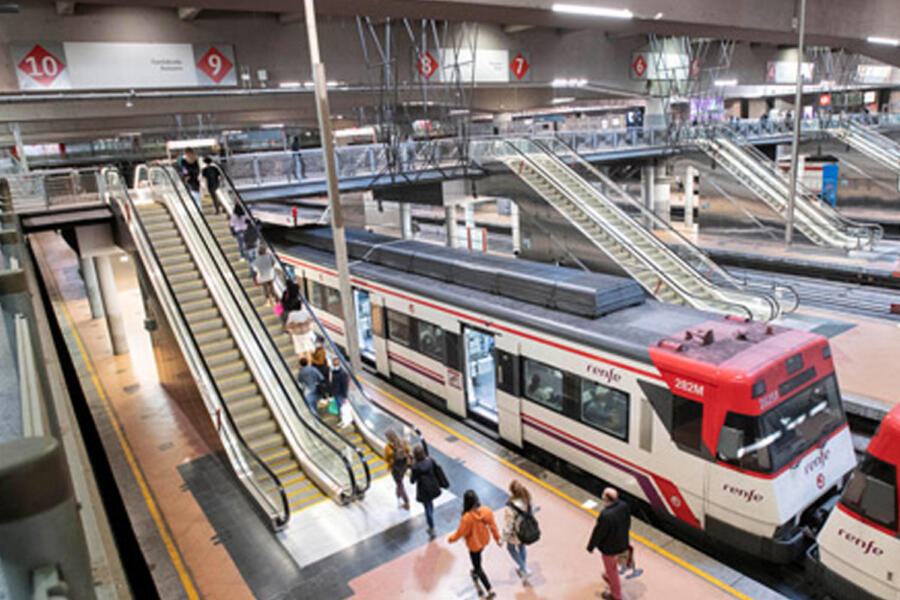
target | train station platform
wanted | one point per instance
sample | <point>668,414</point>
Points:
<point>201,538</point>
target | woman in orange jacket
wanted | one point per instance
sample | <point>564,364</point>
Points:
<point>477,526</point>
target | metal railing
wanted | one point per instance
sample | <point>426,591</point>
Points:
<point>31,390</point>
<point>248,466</point>
<point>371,418</point>
<point>39,191</point>
<point>324,454</point>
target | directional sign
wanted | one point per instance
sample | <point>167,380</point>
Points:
<point>639,66</point>
<point>41,66</point>
<point>427,65</point>
<point>215,65</point>
<point>519,66</point>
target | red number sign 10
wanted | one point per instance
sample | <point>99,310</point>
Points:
<point>46,66</point>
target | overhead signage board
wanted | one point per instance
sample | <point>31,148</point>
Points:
<point>785,71</point>
<point>488,66</point>
<point>657,66</point>
<point>874,74</point>
<point>105,65</point>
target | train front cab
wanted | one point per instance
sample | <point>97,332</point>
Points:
<point>773,429</point>
<point>859,546</point>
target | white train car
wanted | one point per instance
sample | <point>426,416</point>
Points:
<point>730,428</point>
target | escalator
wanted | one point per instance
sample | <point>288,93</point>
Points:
<point>370,420</point>
<point>284,465</point>
<point>817,221</point>
<point>660,270</point>
<point>877,147</point>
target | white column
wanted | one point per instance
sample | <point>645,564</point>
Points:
<point>662,192</point>
<point>451,225</point>
<point>406,220</point>
<point>516,228</point>
<point>114,322</point>
<point>689,197</point>
<point>647,190</point>
<point>92,287</point>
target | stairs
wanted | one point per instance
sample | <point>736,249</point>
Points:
<point>232,376</point>
<point>222,232</point>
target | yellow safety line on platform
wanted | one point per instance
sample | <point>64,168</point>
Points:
<point>661,551</point>
<point>169,543</point>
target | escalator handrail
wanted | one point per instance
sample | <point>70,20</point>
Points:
<point>223,406</point>
<point>177,184</point>
<point>773,304</point>
<point>283,268</point>
<point>642,257</point>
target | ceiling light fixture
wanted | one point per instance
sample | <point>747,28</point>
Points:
<point>593,11</point>
<point>725,82</point>
<point>559,83</point>
<point>289,85</point>
<point>658,16</point>
<point>883,41</point>
<point>564,100</point>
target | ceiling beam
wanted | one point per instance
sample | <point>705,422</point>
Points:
<point>65,8</point>
<point>290,17</point>
<point>188,13</point>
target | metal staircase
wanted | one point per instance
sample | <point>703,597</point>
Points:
<point>876,146</point>
<point>660,270</point>
<point>816,220</point>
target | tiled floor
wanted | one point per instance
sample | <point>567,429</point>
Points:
<point>204,522</point>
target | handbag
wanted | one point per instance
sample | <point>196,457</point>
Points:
<point>279,309</point>
<point>333,408</point>
<point>440,475</point>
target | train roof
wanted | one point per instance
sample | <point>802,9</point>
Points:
<point>628,332</point>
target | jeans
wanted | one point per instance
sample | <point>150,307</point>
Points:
<point>612,575</point>
<point>251,256</point>
<point>519,555</point>
<point>428,505</point>
<point>477,571</point>
<point>312,400</point>
<point>239,236</point>
<point>195,194</point>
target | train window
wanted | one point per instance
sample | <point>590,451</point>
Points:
<point>431,341</point>
<point>543,384</point>
<point>326,298</point>
<point>317,294</point>
<point>750,454</point>
<point>604,408</point>
<point>453,360</point>
<point>794,364</point>
<point>687,423</point>
<point>872,492</point>
<point>399,327</point>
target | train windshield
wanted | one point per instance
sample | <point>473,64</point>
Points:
<point>769,442</point>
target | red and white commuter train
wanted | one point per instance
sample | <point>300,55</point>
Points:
<point>732,428</point>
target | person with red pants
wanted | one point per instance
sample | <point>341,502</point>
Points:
<point>610,536</point>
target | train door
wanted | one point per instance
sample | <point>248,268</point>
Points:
<point>364,324</point>
<point>480,374</point>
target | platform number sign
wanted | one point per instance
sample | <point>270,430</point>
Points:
<point>215,65</point>
<point>41,66</point>
<point>639,66</point>
<point>427,64</point>
<point>519,66</point>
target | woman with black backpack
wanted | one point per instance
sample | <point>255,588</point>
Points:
<point>428,478</point>
<point>519,523</point>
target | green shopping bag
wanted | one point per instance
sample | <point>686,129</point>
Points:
<point>333,408</point>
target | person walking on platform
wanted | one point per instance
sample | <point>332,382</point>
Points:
<point>265,276</point>
<point>210,175</point>
<point>251,243</point>
<point>610,536</point>
<point>477,526</point>
<point>310,379</point>
<point>424,475</point>
<point>397,455</point>
<point>518,510</point>
<point>238,223</point>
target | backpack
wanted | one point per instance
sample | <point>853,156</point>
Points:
<point>527,529</point>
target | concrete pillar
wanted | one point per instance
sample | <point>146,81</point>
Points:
<point>451,224</point>
<point>689,196</point>
<point>516,228</point>
<point>469,212</point>
<point>92,287</point>
<point>654,114</point>
<point>114,322</point>
<point>662,192</point>
<point>406,220</point>
<point>648,175</point>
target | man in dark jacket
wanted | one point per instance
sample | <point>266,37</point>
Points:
<point>610,536</point>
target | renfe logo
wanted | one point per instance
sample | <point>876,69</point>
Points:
<point>691,387</point>
<point>867,547</point>
<point>746,495</point>
<point>607,374</point>
<point>818,462</point>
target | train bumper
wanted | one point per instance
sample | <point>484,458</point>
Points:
<point>824,579</point>
<point>783,550</point>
